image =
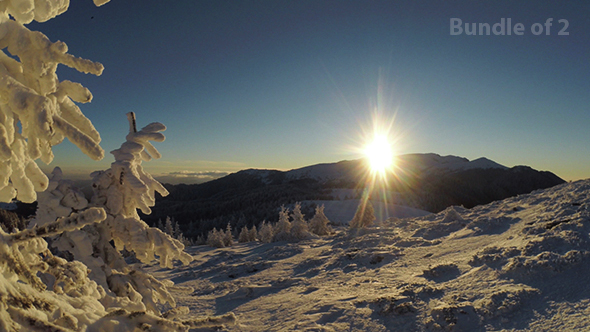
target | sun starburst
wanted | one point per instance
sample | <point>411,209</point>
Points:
<point>379,153</point>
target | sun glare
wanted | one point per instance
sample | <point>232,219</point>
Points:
<point>379,153</point>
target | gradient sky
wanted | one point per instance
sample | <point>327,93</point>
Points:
<point>285,84</point>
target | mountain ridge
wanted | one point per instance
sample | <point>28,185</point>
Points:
<point>427,182</point>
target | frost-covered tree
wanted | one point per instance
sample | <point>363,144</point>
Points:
<point>299,228</point>
<point>94,289</point>
<point>253,234</point>
<point>319,223</point>
<point>364,216</point>
<point>37,111</point>
<point>248,235</point>
<point>200,240</point>
<point>177,231</point>
<point>266,233</point>
<point>215,238</point>
<point>244,237</point>
<point>27,267</point>
<point>282,230</point>
<point>169,227</point>
<point>119,190</point>
<point>228,238</point>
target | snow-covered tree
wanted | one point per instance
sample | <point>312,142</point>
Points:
<point>37,111</point>
<point>177,231</point>
<point>228,238</point>
<point>95,289</point>
<point>215,238</point>
<point>364,215</point>
<point>266,233</point>
<point>119,193</point>
<point>244,237</point>
<point>282,230</point>
<point>253,233</point>
<point>169,227</point>
<point>319,223</point>
<point>248,235</point>
<point>299,228</point>
<point>200,240</point>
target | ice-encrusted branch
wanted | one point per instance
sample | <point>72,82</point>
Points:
<point>70,223</point>
<point>126,187</point>
<point>37,111</point>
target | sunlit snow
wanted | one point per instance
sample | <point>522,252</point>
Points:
<point>520,263</point>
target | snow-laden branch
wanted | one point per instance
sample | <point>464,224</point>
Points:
<point>70,223</point>
<point>37,111</point>
<point>126,187</point>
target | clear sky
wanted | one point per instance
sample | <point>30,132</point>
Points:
<point>285,84</point>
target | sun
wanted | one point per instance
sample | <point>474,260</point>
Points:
<point>379,153</point>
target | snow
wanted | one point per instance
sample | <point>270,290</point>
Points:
<point>519,264</point>
<point>37,111</point>
<point>341,212</point>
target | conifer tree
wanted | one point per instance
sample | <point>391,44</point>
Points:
<point>228,239</point>
<point>266,232</point>
<point>319,223</point>
<point>244,235</point>
<point>97,290</point>
<point>299,229</point>
<point>177,231</point>
<point>169,228</point>
<point>364,216</point>
<point>253,234</point>
<point>215,238</point>
<point>282,230</point>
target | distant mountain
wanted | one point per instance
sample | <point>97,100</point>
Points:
<point>424,181</point>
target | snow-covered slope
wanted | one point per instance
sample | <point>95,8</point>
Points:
<point>519,264</point>
<point>341,212</point>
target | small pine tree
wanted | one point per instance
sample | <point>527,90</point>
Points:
<point>177,232</point>
<point>200,240</point>
<point>253,234</point>
<point>319,223</point>
<point>228,239</point>
<point>299,230</point>
<point>160,225</point>
<point>266,232</point>
<point>169,228</point>
<point>244,235</point>
<point>215,238</point>
<point>364,216</point>
<point>282,230</point>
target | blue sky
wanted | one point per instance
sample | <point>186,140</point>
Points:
<point>285,84</point>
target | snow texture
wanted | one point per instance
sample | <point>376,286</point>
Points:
<point>37,111</point>
<point>521,264</point>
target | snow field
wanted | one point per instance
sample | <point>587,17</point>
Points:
<point>519,264</point>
